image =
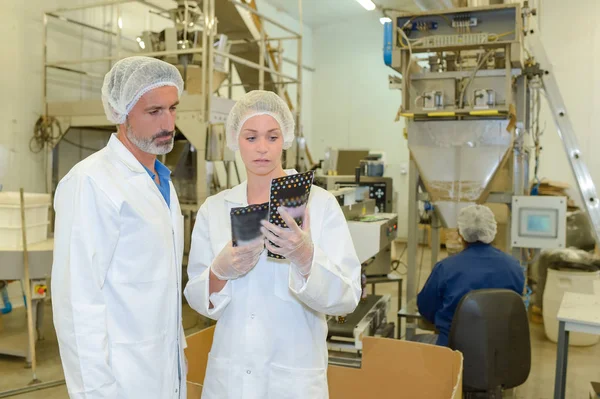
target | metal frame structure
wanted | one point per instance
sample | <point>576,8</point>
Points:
<point>194,113</point>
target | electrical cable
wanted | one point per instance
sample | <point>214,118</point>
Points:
<point>397,262</point>
<point>43,133</point>
<point>498,36</point>
<point>401,30</point>
<point>79,145</point>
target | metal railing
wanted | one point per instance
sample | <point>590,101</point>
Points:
<point>209,32</point>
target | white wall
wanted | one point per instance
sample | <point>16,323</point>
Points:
<point>352,104</point>
<point>353,107</point>
<point>574,54</point>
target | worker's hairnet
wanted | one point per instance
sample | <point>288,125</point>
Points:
<point>131,78</point>
<point>259,102</point>
<point>477,223</point>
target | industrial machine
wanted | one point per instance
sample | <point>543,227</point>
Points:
<point>365,205</point>
<point>345,335</point>
<point>381,189</point>
<point>471,78</point>
<point>372,234</point>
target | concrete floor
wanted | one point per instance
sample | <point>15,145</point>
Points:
<point>584,362</point>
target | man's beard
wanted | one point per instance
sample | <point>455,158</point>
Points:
<point>149,145</point>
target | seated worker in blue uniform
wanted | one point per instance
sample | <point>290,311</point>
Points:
<point>478,266</point>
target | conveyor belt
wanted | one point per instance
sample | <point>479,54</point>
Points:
<point>346,330</point>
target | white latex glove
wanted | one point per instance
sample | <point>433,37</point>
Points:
<point>295,243</point>
<point>234,262</point>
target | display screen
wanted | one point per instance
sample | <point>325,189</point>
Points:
<point>539,224</point>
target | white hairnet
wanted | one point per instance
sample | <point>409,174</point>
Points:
<point>131,78</point>
<point>477,223</point>
<point>259,102</point>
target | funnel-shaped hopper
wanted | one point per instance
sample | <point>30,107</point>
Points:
<point>457,160</point>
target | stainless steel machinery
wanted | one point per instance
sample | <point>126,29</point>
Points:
<point>470,82</point>
<point>367,208</point>
<point>381,189</point>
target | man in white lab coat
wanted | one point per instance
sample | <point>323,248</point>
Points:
<point>116,276</point>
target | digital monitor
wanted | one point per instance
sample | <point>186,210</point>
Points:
<point>538,222</point>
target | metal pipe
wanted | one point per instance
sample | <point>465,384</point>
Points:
<point>268,39</point>
<point>263,17</point>
<point>508,66</point>
<point>412,242</point>
<point>254,65</point>
<point>119,30</point>
<point>267,84</point>
<point>204,71</point>
<point>84,25</point>
<point>160,14</point>
<point>78,71</point>
<point>44,60</point>
<point>290,61</point>
<point>113,58</point>
<point>31,388</point>
<point>210,57</point>
<point>280,65</point>
<point>92,5</point>
<point>435,238</point>
<point>230,79</point>
<point>261,58</point>
<point>299,86</point>
<point>152,5</point>
<point>232,57</point>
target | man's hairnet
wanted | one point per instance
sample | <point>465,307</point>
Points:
<point>259,102</point>
<point>477,223</point>
<point>131,78</point>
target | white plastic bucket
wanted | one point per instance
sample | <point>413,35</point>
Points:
<point>557,283</point>
<point>36,218</point>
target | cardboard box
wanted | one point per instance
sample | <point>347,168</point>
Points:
<point>390,368</point>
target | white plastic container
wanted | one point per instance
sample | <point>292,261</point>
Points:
<point>557,283</point>
<point>36,218</point>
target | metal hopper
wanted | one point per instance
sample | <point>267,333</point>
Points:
<point>457,160</point>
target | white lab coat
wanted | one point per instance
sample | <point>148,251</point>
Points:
<point>270,338</point>
<point>115,281</point>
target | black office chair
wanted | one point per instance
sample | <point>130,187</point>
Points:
<point>491,330</point>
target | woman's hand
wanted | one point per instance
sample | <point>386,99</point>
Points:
<point>294,243</point>
<point>234,262</point>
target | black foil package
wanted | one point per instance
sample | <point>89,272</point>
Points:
<point>291,193</point>
<point>245,223</point>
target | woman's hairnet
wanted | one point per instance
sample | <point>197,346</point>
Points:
<point>259,102</point>
<point>131,78</point>
<point>477,223</point>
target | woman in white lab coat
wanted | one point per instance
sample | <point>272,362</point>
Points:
<point>270,338</point>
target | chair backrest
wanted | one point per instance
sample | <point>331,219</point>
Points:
<point>491,330</point>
